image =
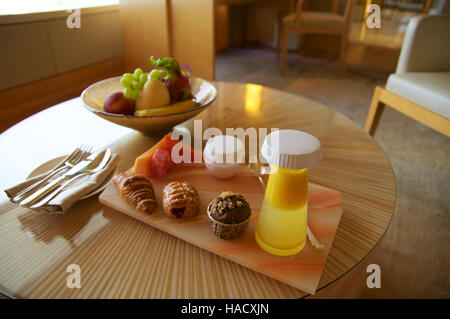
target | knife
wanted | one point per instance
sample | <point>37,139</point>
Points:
<point>80,167</point>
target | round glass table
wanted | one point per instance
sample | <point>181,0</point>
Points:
<point>123,258</point>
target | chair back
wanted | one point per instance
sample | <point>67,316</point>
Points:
<point>334,9</point>
<point>426,46</point>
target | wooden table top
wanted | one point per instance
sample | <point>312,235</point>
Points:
<point>121,257</point>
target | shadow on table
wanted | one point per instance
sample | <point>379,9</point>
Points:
<point>44,227</point>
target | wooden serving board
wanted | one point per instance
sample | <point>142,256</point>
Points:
<point>302,271</point>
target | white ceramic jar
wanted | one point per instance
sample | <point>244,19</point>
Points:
<point>224,155</point>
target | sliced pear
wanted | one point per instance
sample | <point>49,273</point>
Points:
<point>154,94</point>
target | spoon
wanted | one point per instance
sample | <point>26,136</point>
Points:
<point>258,170</point>
<point>93,168</point>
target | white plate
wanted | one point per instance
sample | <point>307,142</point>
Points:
<point>52,163</point>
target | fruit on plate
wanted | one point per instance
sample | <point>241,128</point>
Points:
<point>157,161</point>
<point>174,77</point>
<point>179,107</point>
<point>153,95</point>
<point>133,83</point>
<point>161,163</point>
<point>143,163</point>
<point>117,103</point>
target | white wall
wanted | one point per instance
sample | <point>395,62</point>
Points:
<point>36,46</point>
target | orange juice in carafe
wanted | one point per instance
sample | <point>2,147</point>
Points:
<point>284,212</point>
<point>282,221</point>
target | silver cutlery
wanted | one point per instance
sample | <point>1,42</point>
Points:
<point>78,168</point>
<point>79,154</point>
<point>93,168</point>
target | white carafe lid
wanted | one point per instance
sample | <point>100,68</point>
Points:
<point>291,149</point>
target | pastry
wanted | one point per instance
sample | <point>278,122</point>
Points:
<point>180,199</point>
<point>137,191</point>
<point>229,215</point>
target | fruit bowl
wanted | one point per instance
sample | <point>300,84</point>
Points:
<point>93,97</point>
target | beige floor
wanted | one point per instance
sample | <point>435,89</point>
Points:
<point>414,255</point>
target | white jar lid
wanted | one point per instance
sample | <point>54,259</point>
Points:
<point>291,149</point>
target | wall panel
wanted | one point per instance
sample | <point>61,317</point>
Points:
<point>25,55</point>
<point>98,39</point>
<point>145,31</point>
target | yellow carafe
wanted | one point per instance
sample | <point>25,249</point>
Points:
<point>282,221</point>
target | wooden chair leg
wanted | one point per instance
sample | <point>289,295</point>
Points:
<point>284,51</point>
<point>343,54</point>
<point>375,111</point>
<point>330,47</point>
<point>280,28</point>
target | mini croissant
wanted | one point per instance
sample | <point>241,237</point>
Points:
<point>180,199</point>
<point>137,191</point>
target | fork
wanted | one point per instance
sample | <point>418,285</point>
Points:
<point>79,154</point>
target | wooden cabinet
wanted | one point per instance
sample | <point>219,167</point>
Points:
<point>183,29</point>
<point>191,31</point>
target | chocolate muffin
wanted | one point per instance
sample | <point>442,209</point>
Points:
<point>229,215</point>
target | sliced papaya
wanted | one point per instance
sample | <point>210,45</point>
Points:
<point>143,163</point>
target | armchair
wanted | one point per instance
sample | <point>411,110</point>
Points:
<point>420,87</point>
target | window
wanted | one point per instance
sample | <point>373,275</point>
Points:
<point>32,6</point>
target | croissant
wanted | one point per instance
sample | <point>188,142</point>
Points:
<point>180,199</point>
<point>137,191</point>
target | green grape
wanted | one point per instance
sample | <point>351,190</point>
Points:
<point>186,94</point>
<point>128,77</point>
<point>143,78</point>
<point>134,84</point>
<point>137,73</point>
<point>156,74</point>
<point>136,94</point>
<point>128,93</point>
<point>125,82</point>
<point>138,86</point>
